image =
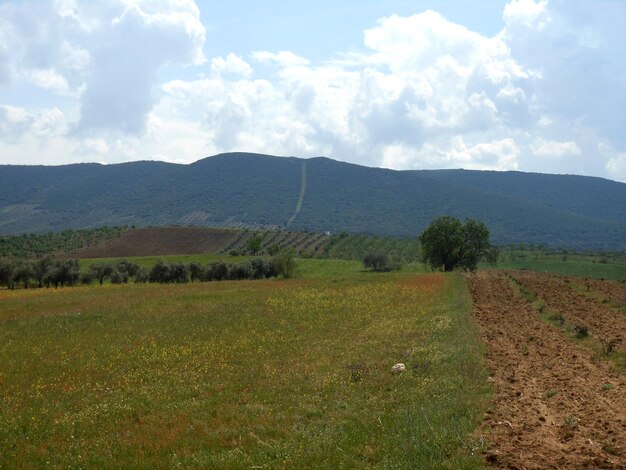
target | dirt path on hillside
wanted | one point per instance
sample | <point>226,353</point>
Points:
<point>560,296</point>
<point>554,406</point>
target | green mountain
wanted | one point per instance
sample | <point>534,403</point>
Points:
<point>318,194</point>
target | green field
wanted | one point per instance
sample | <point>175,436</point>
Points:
<point>250,374</point>
<point>571,264</point>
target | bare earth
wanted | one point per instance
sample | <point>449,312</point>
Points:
<point>560,296</point>
<point>161,241</point>
<point>556,406</point>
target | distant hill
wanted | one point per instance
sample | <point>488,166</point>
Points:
<point>318,194</point>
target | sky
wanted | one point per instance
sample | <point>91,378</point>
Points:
<point>528,85</point>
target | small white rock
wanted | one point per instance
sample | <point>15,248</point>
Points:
<point>399,367</point>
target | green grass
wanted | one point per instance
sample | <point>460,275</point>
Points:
<point>572,265</point>
<point>311,268</point>
<point>253,374</point>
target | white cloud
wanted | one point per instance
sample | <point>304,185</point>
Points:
<point>39,123</point>
<point>144,37</point>
<point>282,58</point>
<point>233,65</point>
<point>551,148</point>
<point>527,13</point>
<point>423,93</point>
<point>90,146</point>
<point>49,79</point>
<point>616,167</point>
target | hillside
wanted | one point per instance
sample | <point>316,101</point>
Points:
<point>161,241</point>
<point>158,241</point>
<point>319,194</point>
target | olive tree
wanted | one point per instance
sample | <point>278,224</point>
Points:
<point>448,243</point>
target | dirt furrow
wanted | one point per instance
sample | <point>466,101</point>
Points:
<point>561,297</point>
<point>555,406</point>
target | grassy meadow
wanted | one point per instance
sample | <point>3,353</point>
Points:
<point>249,374</point>
<point>597,266</point>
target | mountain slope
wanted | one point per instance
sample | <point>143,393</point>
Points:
<point>316,194</point>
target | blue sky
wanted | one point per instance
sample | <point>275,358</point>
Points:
<point>529,85</point>
<point>318,30</point>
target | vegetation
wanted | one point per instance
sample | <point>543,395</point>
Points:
<point>256,191</point>
<point>32,245</point>
<point>47,272</point>
<point>448,243</point>
<point>358,246</point>
<point>600,265</point>
<point>380,262</point>
<point>254,244</point>
<point>239,374</point>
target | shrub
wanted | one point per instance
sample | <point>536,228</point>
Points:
<point>119,277</point>
<point>142,276</point>
<point>261,269</point>
<point>101,271</point>
<point>609,345</point>
<point>63,272</point>
<point>86,279</point>
<point>178,273</point>
<point>284,264</point>
<point>160,272</point>
<point>216,271</point>
<point>238,272</point>
<point>196,272</point>
<point>7,273</point>
<point>274,249</point>
<point>377,261</point>
<point>128,268</point>
<point>581,331</point>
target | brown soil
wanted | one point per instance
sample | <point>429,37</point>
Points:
<point>612,293</point>
<point>560,295</point>
<point>553,407</point>
<point>162,241</point>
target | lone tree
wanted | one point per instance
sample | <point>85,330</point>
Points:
<point>449,243</point>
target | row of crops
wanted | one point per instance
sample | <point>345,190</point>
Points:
<point>357,246</point>
<point>31,245</point>
<point>319,245</point>
<point>303,244</point>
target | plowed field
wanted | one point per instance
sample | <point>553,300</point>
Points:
<point>561,297</point>
<point>556,405</point>
<point>161,241</point>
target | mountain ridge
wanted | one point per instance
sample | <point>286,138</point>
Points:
<point>247,189</point>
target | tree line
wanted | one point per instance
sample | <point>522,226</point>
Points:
<point>48,272</point>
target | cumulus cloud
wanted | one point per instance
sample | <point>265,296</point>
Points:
<point>127,56</point>
<point>232,65</point>
<point>423,79</point>
<point>38,123</point>
<point>49,79</point>
<point>527,13</point>
<point>546,93</point>
<point>551,148</point>
<point>106,53</point>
